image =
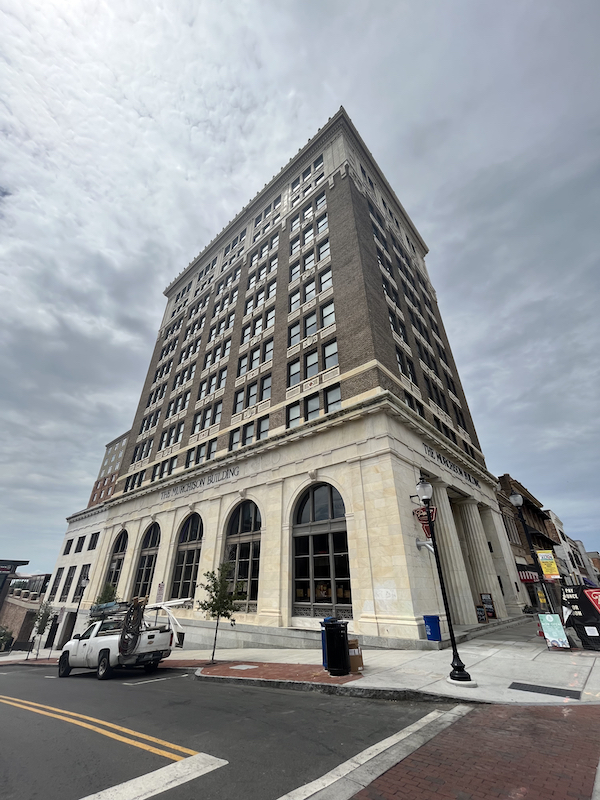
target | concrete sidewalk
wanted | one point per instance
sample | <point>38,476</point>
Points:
<point>512,665</point>
<point>497,662</point>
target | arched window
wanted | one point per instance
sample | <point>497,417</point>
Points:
<point>116,561</point>
<point>243,553</point>
<point>147,562</point>
<point>187,558</point>
<point>321,565</point>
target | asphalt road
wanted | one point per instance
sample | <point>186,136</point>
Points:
<point>273,740</point>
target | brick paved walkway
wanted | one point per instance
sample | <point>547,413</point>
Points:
<point>306,673</point>
<point>498,752</point>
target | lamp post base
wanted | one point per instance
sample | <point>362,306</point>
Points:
<point>458,674</point>
<point>470,684</point>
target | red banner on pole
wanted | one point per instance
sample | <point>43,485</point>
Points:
<point>421,515</point>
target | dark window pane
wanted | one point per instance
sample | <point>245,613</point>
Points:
<point>301,545</point>
<point>245,550</point>
<point>246,517</point>
<point>342,567</point>
<point>321,543</point>
<point>321,566</point>
<point>338,504</point>
<point>243,570</point>
<point>340,542</point>
<point>304,510</point>
<point>343,592</point>
<point>302,592</point>
<point>302,568</point>
<point>234,525</point>
<point>321,495</point>
<point>253,590</point>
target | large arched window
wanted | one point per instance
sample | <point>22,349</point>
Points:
<point>321,565</point>
<point>147,562</point>
<point>116,560</point>
<point>243,553</point>
<point>187,558</point>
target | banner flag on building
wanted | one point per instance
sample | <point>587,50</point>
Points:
<point>548,564</point>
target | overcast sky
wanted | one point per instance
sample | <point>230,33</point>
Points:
<point>132,132</point>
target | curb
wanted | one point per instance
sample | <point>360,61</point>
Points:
<point>347,690</point>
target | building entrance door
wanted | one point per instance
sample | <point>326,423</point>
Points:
<point>67,630</point>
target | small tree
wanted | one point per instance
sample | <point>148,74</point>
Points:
<point>44,612</point>
<point>220,602</point>
<point>107,595</point>
<point>6,636</point>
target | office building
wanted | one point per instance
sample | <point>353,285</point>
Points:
<point>301,383</point>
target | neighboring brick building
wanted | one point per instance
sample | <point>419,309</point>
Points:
<point>301,382</point>
<point>104,485</point>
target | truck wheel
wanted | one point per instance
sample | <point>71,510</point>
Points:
<point>104,671</point>
<point>64,670</point>
<point>151,667</point>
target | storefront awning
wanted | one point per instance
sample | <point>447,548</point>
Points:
<point>527,575</point>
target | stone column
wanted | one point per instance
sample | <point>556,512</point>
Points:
<point>451,557</point>
<point>504,560</point>
<point>484,573</point>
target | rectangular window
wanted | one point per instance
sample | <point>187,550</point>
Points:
<point>273,264</point>
<point>265,388</point>
<point>234,439</point>
<point>212,383</point>
<point>310,324</point>
<point>274,240</point>
<point>226,348</point>
<point>294,246</point>
<point>309,260</point>
<point>311,364</point>
<point>294,334</point>
<point>252,394</point>
<point>295,271</point>
<point>189,458</point>
<point>68,545</point>
<point>222,378</point>
<point>67,585</point>
<point>270,318</point>
<point>268,350</point>
<point>243,365</point>
<point>325,279</point>
<point>254,358</point>
<point>271,289</point>
<point>93,541</point>
<point>262,430</point>
<point>333,399</point>
<point>249,305</point>
<point>238,401</point>
<point>202,390</point>
<point>323,249</point>
<point>308,236</point>
<point>248,436</point>
<point>327,314</point>
<point>55,584</point>
<point>320,201</point>
<point>330,355</point>
<point>309,290</point>
<point>294,372</point>
<point>311,410</point>
<point>322,224</point>
<point>206,418</point>
<point>293,415</point>
<point>295,223</point>
<point>217,413</point>
<point>246,333</point>
<point>211,449</point>
<point>295,300</point>
<point>79,545</point>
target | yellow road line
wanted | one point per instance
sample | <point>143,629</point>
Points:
<point>102,722</point>
<point>95,728</point>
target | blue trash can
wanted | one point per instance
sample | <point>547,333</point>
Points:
<point>432,628</point>
<point>323,640</point>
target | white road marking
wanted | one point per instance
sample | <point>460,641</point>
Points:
<point>51,676</point>
<point>155,680</point>
<point>339,773</point>
<point>161,780</point>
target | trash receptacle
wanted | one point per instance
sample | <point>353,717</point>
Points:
<point>432,628</point>
<point>323,640</point>
<point>336,643</point>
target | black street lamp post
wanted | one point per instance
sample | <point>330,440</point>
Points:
<point>458,673</point>
<point>517,500</point>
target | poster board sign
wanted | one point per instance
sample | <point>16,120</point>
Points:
<point>554,632</point>
<point>581,611</point>
<point>160,592</point>
<point>488,604</point>
<point>548,565</point>
<point>481,615</point>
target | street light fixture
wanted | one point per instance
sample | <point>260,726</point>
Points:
<point>82,584</point>
<point>517,500</point>
<point>458,673</point>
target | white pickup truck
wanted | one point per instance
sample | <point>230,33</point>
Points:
<point>110,642</point>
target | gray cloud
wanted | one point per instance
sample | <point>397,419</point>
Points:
<point>130,135</point>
